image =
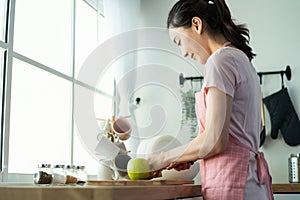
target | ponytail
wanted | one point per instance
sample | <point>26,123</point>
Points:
<point>217,18</point>
<point>238,35</point>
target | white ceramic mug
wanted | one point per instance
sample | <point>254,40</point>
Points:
<point>105,148</point>
<point>106,170</point>
<point>122,128</point>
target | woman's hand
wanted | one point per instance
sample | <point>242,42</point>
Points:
<point>156,163</point>
<point>181,166</point>
<point>155,174</point>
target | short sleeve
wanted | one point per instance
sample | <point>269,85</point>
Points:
<point>221,72</point>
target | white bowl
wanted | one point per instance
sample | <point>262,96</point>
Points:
<point>188,174</point>
<point>164,143</point>
<point>157,144</point>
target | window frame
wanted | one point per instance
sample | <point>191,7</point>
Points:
<point>6,95</point>
<point>7,81</point>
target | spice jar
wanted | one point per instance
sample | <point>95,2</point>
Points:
<point>71,174</point>
<point>43,175</point>
<point>294,168</point>
<point>59,174</point>
<point>81,174</point>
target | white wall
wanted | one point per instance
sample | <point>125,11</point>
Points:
<point>274,27</point>
<point>154,14</point>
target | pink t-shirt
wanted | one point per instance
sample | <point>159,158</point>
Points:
<point>230,70</point>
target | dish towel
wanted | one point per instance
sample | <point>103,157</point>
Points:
<point>283,117</point>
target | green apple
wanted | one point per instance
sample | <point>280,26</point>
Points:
<point>138,169</point>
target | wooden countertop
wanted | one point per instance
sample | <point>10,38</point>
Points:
<point>286,188</point>
<point>90,192</point>
<point>16,191</point>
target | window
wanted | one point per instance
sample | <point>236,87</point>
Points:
<point>86,40</point>
<point>40,118</point>
<point>43,32</point>
<point>3,12</point>
<point>3,46</point>
<point>2,52</point>
<point>86,33</point>
<point>49,48</point>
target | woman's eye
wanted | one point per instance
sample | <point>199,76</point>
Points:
<point>179,43</point>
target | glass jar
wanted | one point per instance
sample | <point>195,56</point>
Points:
<point>59,174</point>
<point>43,175</point>
<point>71,174</point>
<point>81,174</point>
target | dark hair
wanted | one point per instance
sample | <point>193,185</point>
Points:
<point>216,17</point>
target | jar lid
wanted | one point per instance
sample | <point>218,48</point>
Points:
<point>70,167</point>
<point>80,167</point>
<point>44,165</point>
<point>59,166</point>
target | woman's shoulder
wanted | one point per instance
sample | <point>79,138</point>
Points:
<point>228,58</point>
<point>230,54</point>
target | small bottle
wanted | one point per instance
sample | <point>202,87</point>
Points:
<point>294,168</point>
<point>43,175</point>
<point>59,174</point>
<point>71,174</point>
<point>81,174</point>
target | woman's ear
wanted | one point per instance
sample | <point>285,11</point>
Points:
<point>197,24</point>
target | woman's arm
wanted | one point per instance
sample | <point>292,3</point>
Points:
<point>211,141</point>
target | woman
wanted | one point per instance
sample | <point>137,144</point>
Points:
<point>228,105</point>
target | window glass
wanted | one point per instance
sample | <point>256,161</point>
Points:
<point>2,51</point>
<point>43,32</point>
<point>41,102</point>
<point>82,156</point>
<point>85,43</point>
<point>3,9</point>
<point>40,119</point>
<point>103,109</point>
<point>102,32</point>
<point>86,33</point>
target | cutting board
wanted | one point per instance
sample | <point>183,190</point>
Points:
<point>137,182</point>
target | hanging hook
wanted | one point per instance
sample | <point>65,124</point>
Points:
<point>181,79</point>
<point>288,73</point>
<point>192,86</point>
<point>260,77</point>
<point>282,82</point>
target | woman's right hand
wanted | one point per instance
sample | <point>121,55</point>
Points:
<point>181,166</point>
<point>155,162</point>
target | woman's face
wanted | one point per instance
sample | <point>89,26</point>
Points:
<point>190,42</point>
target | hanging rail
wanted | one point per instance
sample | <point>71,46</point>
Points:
<point>287,72</point>
<point>182,79</point>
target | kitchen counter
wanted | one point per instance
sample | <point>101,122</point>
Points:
<point>286,188</point>
<point>14,191</point>
<point>74,192</point>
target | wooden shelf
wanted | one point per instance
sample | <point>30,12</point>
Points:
<point>286,188</point>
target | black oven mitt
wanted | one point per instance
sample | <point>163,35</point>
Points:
<point>283,117</point>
